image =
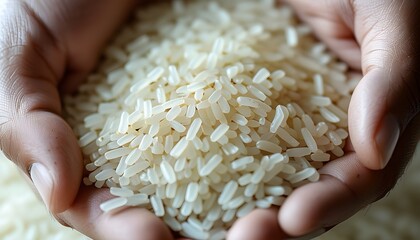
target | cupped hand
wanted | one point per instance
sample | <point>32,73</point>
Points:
<point>47,48</point>
<point>380,38</point>
<point>51,45</point>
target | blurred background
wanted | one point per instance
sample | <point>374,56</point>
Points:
<point>22,216</point>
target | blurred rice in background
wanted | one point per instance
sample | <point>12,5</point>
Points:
<point>22,215</point>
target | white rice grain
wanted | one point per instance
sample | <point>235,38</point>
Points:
<point>179,148</point>
<point>298,152</point>
<point>116,153</point>
<point>228,192</point>
<point>328,115</point>
<point>211,164</point>
<point>192,192</point>
<point>261,76</point>
<point>123,126</point>
<point>157,206</point>
<point>113,204</point>
<point>219,132</point>
<point>292,36</point>
<point>87,138</point>
<point>268,146</point>
<point>242,162</point>
<point>309,139</point>
<point>168,172</point>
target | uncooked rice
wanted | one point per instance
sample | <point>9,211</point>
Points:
<point>22,215</point>
<point>211,110</point>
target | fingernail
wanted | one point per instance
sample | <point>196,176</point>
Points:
<point>43,182</point>
<point>310,235</point>
<point>387,138</point>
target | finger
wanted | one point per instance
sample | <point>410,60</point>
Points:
<point>345,187</point>
<point>43,145</point>
<point>82,28</point>
<point>259,224</point>
<point>388,96</point>
<point>130,223</point>
<point>32,62</point>
<point>332,22</point>
<point>32,133</point>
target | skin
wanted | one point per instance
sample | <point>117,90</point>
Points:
<point>380,39</point>
<point>46,51</point>
<point>47,48</point>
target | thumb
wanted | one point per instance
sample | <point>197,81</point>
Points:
<point>388,96</point>
<point>32,134</point>
<point>43,146</point>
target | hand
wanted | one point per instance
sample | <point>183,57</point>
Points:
<point>381,39</point>
<point>55,44</point>
<point>46,45</point>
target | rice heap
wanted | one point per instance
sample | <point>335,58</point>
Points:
<point>202,111</point>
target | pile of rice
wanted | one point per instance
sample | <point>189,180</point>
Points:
<point>210,110</point>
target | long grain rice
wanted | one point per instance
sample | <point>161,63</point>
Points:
<point>205,118</point>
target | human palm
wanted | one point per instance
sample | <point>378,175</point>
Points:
<point>47,48</point>
<point>380,39</point>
